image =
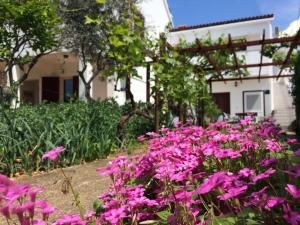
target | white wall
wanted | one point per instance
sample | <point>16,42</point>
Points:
<point>157,17</point>
<point>251,30</point>
<point>236,93</point>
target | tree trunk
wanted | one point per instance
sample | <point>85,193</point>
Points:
<point>180,112</point>
<point>129,95</point>
<point>88,92</point>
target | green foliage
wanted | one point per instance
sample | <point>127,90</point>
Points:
<point>137,125</point>
<point>86,130</point>
<point>183,76</point>
<point>296,92</point>
<point>27,25</point>
<point>108,34</point>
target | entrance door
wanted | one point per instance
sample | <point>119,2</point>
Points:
<point>254,101</point>
<point>50,89</point>
<point>222,100</point>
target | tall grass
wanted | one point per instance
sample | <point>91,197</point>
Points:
<point>86,130</point>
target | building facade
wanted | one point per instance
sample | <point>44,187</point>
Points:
<point>55,77</point>
<point>266,97</point>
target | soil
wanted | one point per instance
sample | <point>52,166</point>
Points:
<point>85,180</point>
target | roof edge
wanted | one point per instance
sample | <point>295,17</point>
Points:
<point>245,19</point>
<point>167,8</point>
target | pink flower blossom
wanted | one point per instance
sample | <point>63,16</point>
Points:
<point>293,190</point>
<point>267,162</point>
<point>142,138</point>
<point>247,120</point>
<point>290,216</point>
<point>272,145</point>
<point>233,192</point>
<point>53,154</point>
<point>273,201</point>
<point>297,152</point>
<point>292,141</point>
<point>264,175</point>
<point>246,172</point>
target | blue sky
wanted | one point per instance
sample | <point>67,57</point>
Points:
<point>192,12</point>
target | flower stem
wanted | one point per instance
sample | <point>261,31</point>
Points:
<point>75,195</point>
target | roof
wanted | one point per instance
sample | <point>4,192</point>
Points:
<point>182,28</point>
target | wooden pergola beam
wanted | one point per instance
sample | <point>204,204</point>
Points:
<point>279,63</point>
<point>241,44</point>
<point>288,56</point>
<point>209,59</point>
<point>230,42</point>
<point>250,78</point>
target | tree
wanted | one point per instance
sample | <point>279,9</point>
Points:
<point>182,76</point>
<point>28,31</point>
<point>106,33</point>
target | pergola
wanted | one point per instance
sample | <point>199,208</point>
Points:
<point>205,51</point>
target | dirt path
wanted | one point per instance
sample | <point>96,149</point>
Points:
<point>85,180</point>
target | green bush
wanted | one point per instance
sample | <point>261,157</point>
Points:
<point>138,125</point>
<point>86,130</point>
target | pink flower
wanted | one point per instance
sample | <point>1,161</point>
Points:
<point>246,172</point>
<point>290,216</point>
<point>273,201</point>
<point>141,138</point>
<point>263,175</point>
<point>292,141</point>
<point>267,162</point>
<point>233,192</point>
<point>227,153</point>
<point>272,145</point>
<point>39,222</point>
<point>211,183</point>
<point>297,152</point>
<point>53,154</point>
<point>293,190</point>
<point>247,120</point>
<point>114,216</point>
<point>70,220</point>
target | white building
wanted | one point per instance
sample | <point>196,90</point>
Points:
<point>266,97</point>
<point>55,76</point>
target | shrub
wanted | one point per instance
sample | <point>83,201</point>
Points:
<point>224,174</point>
<point>86,130</point>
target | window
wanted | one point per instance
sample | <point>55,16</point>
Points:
<point>254,101</point>
<point>68,90</point>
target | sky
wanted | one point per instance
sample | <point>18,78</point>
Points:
<point>192,12</point>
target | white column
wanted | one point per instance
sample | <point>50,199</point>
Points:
<point>88,74</point>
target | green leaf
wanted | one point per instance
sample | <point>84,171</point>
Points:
<point>224,220</point>
<point>89,20</point>
<point>101,1</point>
<point>164,215</point>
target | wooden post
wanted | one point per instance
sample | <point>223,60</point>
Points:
<point>148,83</point>
<point>157,104</point>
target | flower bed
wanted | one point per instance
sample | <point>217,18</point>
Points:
<point>224,174</point>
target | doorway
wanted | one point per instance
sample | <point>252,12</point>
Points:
<point>222,100</point>
<point>50,89</point>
